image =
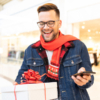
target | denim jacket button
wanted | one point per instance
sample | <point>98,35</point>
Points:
<point>63,91</point>
<point>72,62</point>
<point>40,49</point>
<point>61,77</point>
<point>34,63</point>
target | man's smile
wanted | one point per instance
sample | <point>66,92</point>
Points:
<point>47,34</point>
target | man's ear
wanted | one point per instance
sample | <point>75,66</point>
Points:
<point>60,23</point>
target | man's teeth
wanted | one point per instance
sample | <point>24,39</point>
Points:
<point>47,32</point>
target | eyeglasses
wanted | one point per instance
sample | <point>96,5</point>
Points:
<point>49,23</point>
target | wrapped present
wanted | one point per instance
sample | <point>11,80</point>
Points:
<point>40,91</point>
<point>31,88</point>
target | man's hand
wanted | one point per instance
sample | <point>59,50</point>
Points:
<point>81,80</point>
<point>15,83</point>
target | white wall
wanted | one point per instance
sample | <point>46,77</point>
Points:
<point>82,10</point>
<point>78,11</point>
<point>18,17</point>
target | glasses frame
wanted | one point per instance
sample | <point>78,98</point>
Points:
<point>46,23</point>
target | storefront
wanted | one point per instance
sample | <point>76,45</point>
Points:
<point>82,21</point>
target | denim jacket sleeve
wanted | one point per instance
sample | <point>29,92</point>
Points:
<point>23,68</point>
<point>86,63</point>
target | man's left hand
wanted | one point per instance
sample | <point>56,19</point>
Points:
<point>81,80</point>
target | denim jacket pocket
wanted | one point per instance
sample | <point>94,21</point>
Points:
<point>71,65</point>
<point>71,61</point>
<point>35,62</point>
<point>36,65</point>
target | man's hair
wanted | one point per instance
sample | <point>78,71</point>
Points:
<point>47,7</point>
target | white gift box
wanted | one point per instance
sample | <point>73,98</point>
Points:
<point>30,91</point>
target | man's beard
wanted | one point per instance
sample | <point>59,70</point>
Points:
<point>52,38</point>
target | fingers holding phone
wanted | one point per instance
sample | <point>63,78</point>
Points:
<point>80,80</point>
<point>82,77</point>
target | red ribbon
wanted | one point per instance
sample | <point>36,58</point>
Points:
<point>45,91</point>
<point>31,77</point>
<point>15,92</point>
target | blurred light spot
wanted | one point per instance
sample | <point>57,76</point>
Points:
<point>90,38</point>
<point>89,30</point>
<point>83,27</point>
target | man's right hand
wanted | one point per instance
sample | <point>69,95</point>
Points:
<point>15,83</point>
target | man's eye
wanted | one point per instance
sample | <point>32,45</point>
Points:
<point>50,23</point>
<point>41,23</point>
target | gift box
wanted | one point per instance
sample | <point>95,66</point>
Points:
<point>40,91</point>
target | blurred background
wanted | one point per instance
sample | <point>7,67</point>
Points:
<point>18,29</point>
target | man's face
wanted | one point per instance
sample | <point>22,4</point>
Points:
<point>49,33</point>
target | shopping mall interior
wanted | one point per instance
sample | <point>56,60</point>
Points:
<point>18,30</point>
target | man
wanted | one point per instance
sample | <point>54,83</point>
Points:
<point>59,56</point>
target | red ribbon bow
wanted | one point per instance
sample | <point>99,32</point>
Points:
<point>31,77</point>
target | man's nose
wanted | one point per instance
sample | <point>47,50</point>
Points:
<point>46,26</point>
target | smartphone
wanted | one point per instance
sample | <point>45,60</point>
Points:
<point>84,73</point>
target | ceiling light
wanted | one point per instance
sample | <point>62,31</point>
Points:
<point>89,30</point>
<point>90,38</point>
<point>83,27</point>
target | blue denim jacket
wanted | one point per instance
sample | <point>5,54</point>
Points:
<point>74,59</point>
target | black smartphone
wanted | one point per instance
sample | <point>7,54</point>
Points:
<point>84,73</point>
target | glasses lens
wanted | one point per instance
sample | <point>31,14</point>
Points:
<point>50,23</point>
<point>40,24</point>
